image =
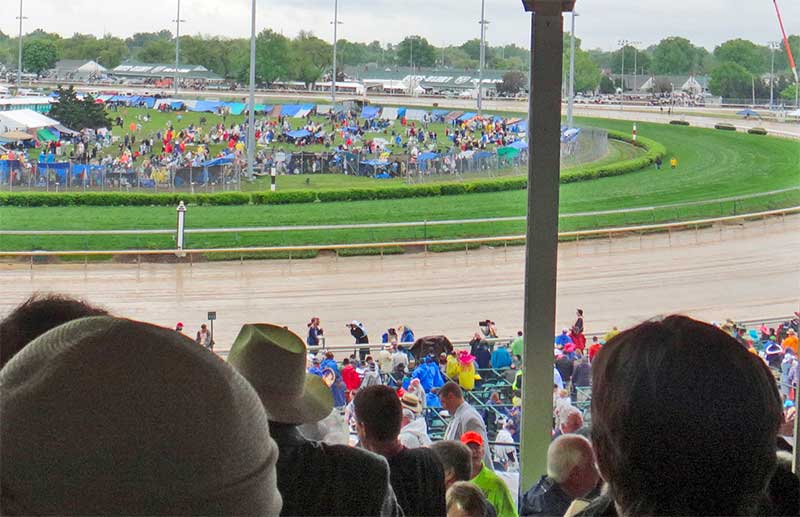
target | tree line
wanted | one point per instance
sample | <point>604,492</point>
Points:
<point>735,66</point>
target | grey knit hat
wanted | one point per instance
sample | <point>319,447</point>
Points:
<point>104,415</point>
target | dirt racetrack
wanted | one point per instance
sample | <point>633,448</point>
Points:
<point>743,272</point>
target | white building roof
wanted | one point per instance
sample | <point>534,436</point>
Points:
<point>24,120</point>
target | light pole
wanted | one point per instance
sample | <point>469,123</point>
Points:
<point>635,62</point>
<point>622,43</point>
<point>773,45</point>
<point>19,62</point>
<point>411,59</point>
<point>335,23</point>
<point>571,97</point>
<point>177,21</point>
<point>483,23</point>
<point>251,109</point>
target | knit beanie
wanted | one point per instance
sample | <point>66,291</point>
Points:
<point>104,415</point>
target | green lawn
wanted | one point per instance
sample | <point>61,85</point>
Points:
<point>712,164</point>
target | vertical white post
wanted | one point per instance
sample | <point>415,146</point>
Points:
<point>482,57</point>
<point>571,97</point>
<point>177,45</point>
<point>634,132</point>
<point>19,62</point>
<point>251,109</point>
<point>335,38</point>
<point>273,178</point>
<point>179,233</point>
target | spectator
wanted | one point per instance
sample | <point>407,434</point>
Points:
<point>399,359</point>
<point>570,421</point>
<point>417,474</point>
<point>582,376</point>
<point>406,334</point>
<point>492,486</point>
<point>204,337</point>
<point>466,500</point>
<point>518,345</point>
<point>37,315</point>
<point>179,327</point>
<point>791,341</point>
<point>576,332</point>
<point>571,474</point>
<point>456,459</point>
<point>111,416</point>
<point>414,430</point>
<point>594,348</point>
<point>372,376</point>
<point>466,370</point>
<point>390,336</point>
<point>464,416</point>
<point>271,358</point>
<point>315,332</point>
<point>415,387</point>
<point>359,333</point>
<point>784,488</point>
<point>714,452</point>
<point>501,358</point>
<point>563,338</point>
<point>506,454</point>
<point>350,377</point>
<point>510,375</point>
<point>773,353</point>
<point>330,371</point>
<point>611,333</point>
<point>565,367</point>
<point>315,367</point>
<point>385,360</point>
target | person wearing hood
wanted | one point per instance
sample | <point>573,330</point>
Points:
<point>563,338</point>
<point>415,388</point>
<point>786,367</point>
<point>407,335</point>
<point>359,333</point>
<point>501,358</point>
<point>372,375</point>
<point>390,336</point>
<point>414,431</point>
<point>773,353</point>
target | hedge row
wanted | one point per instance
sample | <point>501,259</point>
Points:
<point>679,122</point>
<point>757,131</point>
<point>652,148</point>
<point>725,126</point>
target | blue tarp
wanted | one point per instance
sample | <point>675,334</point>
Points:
<point>439,114</point>
<point>132,100</point>
<point>176,105</point>
<point>570,135</point>
<point>497,119</point>
<point>375,163</point>
<point>519,144</point>
<point>747,112</point>
<point>427,156</point>
<point>263,108</point>
<point>482,154</point>
<point>290,110</point>
<point>218,161</point>
<point>370,112</point>
<point>299,133</point>
<point>148,101</point>
<point>401,112</point>
<point>521,126</point>
<point>236,107</point>
<point>466,116</point>
<point>308,106</point>
<point>207,106</point>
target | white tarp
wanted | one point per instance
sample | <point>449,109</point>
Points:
<point>415,115</point>
<point>389,113</point>
<point>795,113</point>
<point>303,113</point>
<point>323,109</point>
<point>23,120</point>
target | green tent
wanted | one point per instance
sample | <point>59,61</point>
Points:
<point>46,136</point>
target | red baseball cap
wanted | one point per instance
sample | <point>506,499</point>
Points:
<point>471,437</point>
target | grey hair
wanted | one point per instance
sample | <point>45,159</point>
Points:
<point>565,453</point>
<point>407,413</point>
<point>565,412</point>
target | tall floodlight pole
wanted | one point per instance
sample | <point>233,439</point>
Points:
<point>19,62</point>
<point>571,97</point>
<point>773,45</point>
<point>335,40</point>
<point>177,44</point>
<point>622,43</point>
<point>411,59</point>
<point>541,243</point>
<point>251,108</point>
<point>483,23</point>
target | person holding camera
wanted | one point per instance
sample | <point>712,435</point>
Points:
<point>359,333</point>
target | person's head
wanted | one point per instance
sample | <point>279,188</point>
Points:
<point>579,312</point>
<point>519,333</point>
<point>456,460</point>
<point>408,417</point>
<point>594,339</point>
<point>464,499</point>
<point>203,327</point>
<point>378,414</point>
<point>328,355</point>
<point>476,446</point>
<point>345,362</point>
<point>451,396</point>
<point>179,326</point>
<point>677,433</point>
<point>570,463</point>
<point>37,315</point>
<point>105,415</point>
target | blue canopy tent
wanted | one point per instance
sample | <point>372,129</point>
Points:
<point>215,163</point>
<point>439,115</point>
<point>298,133</point>
<point>371,167</point>
<point>467,116</point>
<point>149,102</point>
<point>176,105</point>
<point>370,112</point>
<point>570,135</point>
<point>401,112</point>
<point>747,112</point>
<point>237,108</point>
<point>207,106</point>
<point>519,144</point>
<point>424,158</point>
<point>55,171</point>
<point>263,108</point>
<point>290,110</point>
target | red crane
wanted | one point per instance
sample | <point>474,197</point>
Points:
<point>786,41</point>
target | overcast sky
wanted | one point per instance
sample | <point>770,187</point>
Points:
<point>602,23</point>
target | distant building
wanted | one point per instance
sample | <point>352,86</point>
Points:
<point>402,80</point>
<point>149,72</point>
<point>38,104</point>
<point>694,84</point>
<point>77,70</point>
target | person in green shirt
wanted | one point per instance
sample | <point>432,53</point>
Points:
<point>518,345</point>
<point>492,486</point>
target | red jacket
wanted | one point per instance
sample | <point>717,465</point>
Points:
<point>350,377</point>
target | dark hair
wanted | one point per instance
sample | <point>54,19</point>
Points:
<point>468,497</point>
<point>379,410</point>
<point>37,315</point>
<point>519,333</point>
<point>328,355</point>
<point>451,388</point>
<point>454,456</point>
<point>684,420</point>
<point>345,361</point>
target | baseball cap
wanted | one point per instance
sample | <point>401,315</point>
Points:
<point>471,437</point>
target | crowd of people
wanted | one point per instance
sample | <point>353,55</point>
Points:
<point>107,415</point>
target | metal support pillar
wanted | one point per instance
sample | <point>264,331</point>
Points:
<point>251,99</point>
<point>541,246</point>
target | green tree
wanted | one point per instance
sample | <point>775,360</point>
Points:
<point>731,80</point>
<point>78,114</point>
<point>157,51</point>
<point>424,53</point>
<point>455,57</point>
<point>311,56</point>
<point>606,85</point>
<point>273,56</point>
<point>587,73</point>
<point>675,56</point>
<point>633,56</point>
<point>473,49</point>
<point>782,60</point>
<point>39,55</point>
<point>752,57</point>
<point>140,39</point>
<point>351,53</point>
<point>789,93</point>
<point>513,82</point>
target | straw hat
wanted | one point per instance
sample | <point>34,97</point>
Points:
<point>273,359</point>
<point>411,402</point>
<point>104,415</point>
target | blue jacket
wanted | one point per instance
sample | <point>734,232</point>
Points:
<point>407,337</point>
<point>501,358</point>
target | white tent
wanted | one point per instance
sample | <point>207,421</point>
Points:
<point>415,114</point>
<point>24,120</point>
<point>323,109</point>
<point>389,113</point>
